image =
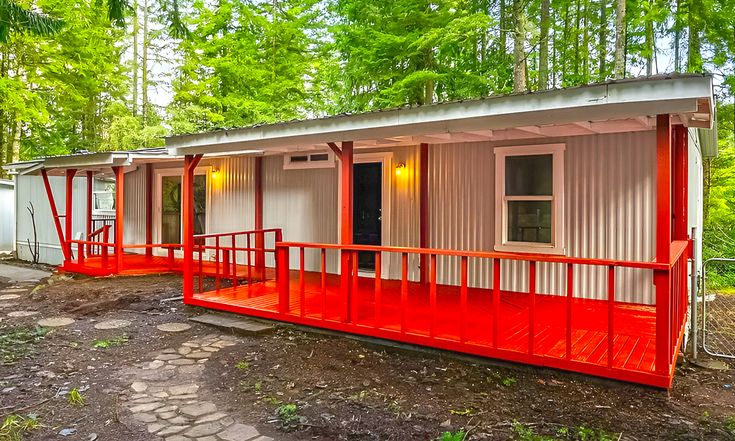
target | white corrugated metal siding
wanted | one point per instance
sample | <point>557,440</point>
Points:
<point>609,212</point>
<point>134,208</point>
<point>7,215</point>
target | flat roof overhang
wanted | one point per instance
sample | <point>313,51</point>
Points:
<point>603,108</point>
<point>96,162</point>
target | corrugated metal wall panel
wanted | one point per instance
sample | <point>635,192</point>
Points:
<point>304,204</point>
<point>7,216</point>
<point>134,208</point>
<point>609,212</point>
<point>404,210</point>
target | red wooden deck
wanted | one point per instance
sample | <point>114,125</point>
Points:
<point>471,329</point>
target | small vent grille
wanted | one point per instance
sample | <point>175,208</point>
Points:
<point>297,161</point>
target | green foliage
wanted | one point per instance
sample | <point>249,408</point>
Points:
<point>18,341</point>
<point>729,425</point>
<point>288,415</point>
<point>108,343</point>
<point>242,365</point>
<point>523,432</point>
<point>14,426</point>
<point>456,436</point>
<point>75,398</point>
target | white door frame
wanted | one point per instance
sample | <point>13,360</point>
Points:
<point>158,203</point>
<point>386,159</point>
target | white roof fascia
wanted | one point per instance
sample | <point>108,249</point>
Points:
<point>590,103</point>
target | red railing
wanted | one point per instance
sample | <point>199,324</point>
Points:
<point>669,277</point>
<point>100,235</point>
<point>234,256</point>
<point>104,247</point>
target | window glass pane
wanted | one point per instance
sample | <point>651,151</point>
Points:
<point>529,221</point>
<point>171,209</point>
<point>200,204</point>
<point>529,175</point>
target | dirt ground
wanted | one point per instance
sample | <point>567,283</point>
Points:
<point>340,388</point>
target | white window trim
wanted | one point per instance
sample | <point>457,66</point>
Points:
<point>557,200</point>
<point>329,163</point>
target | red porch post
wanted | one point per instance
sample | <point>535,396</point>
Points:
<point>681,183</point>
<point>69,198</point>
<point>90,185</point>
<point>346,238</point>
<point>187,212</point>
<point>424,209</point>
<point>55,215</point>
<point>259,237</point>
<point>149,209</point>
<point>662,278</point>
<point>119,215</point>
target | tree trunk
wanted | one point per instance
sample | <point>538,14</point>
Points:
<point>14,151</point>
<point>694,63</point>
<point>543,51</point>
<point>601,76</point>
<point>519,38</point>
<point>620,39</point>
<point>649,39</point>
<point>135,57</point>
<point>677,37</point>
<point>144,68</point>
<point>503,40</point>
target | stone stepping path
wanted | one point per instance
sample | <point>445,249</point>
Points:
<point>112,324</point>
<point>165,398</point>
<point>173,327</point>
<point>55,322</point>
<point>22,313</point>
<point>9,296</point>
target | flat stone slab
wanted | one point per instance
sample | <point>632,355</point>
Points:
<point>16,274</point>
<point>55,322</point>
<point>9,296</point>
<point>112,324</point>
<point>240,325</point>
<point>22,313</point>
<point>173,327</point>
<point>717,365</point>
<point>239,432</point>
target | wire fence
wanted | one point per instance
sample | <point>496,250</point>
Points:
<point>718,308</point>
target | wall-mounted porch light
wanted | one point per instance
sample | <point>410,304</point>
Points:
<point>214,174</point>
<point>400,169</point>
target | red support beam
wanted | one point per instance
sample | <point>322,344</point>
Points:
<point>347,188</point>
<point>90,207</point>
<point>119,215</point>
<point>424,208</point>
<point>259,237</point>
<point>149,209</point>
<point>663,192</point>
<point>69,198</point>
<point>187,214</point>
<point>336,150</point>
<point>662,278</point>
<point>55,215</point>
<point>681,183</point>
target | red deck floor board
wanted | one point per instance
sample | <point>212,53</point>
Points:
<point>634,345</point>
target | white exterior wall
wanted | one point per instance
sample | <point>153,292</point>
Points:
<point>696,194</point>
<point>7,215</point>
<point>30,189</point>
<point>609,200</point>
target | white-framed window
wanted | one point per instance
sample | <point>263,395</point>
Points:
<point>302,160</point>
<point>529,198</point>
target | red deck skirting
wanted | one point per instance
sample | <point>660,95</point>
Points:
<point>469,329</point>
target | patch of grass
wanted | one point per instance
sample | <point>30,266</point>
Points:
<point>456,436</point>
<point>14,426</point>
<point>18,341</point>
<point>258,386</point>
<point>288,415</point>
<point>242,365</point>
<point>525,433</point>
<point>463,412</point>
<point>505,380</point>
<point>104,344</point>
<point>271,400</point>
<point>75,398</point>
<point>394,407</point>
<point>730,425</point>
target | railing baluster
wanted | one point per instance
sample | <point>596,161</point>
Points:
<point>216,263</point>
<point>250,271</point>
<point>302,286</point>
<point>531,305</point>
<point>404,290</point>
<point>201,267</point>
<point>610,315</point>
<point>80,253</point>
<point>283,279</point>
<point>463,300</point>
<point>354,297</point>
<point>234,261</point>
<point>378,289</point>
<point>496,301</point>
<point>324,283</point>
<point>432,294</point>
<point>570,296</point>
